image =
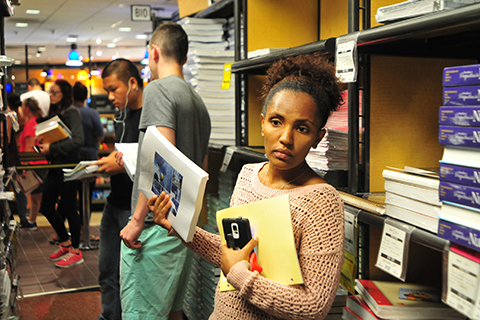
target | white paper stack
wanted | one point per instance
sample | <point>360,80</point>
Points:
<point>204,70</point>
<point>331,153</point>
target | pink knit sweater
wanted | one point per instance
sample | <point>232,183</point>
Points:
<point>317,217</point>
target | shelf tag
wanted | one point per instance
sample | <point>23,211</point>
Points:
<point>393,252</point>
<point>346,59</point>
<point>463,280</point>
<point>351,229</point>
<point>227,158</point>
<point>227,75</point>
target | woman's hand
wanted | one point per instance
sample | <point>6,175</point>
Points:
<point>44,148</point>
<point>119,159</point>
<point>232,257</point>
<point>160,205</point>
<point>130,233</point>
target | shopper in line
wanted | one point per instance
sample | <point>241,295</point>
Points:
<point>154,267</point>
<point>93,134</point>
<point>124,87</point>
<point>66,151</point>
<point>300,93</point>
<point>31,111</point>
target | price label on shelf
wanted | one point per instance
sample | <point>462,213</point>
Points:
<point>346,58</point>
<point>393,252</point>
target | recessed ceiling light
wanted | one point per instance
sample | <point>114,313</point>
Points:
<point>21,24</point>
<point>141,36</point>
<point>98,41</point>
<point>99,53</point>
<point>111,45</point>
<point>32,11</point>
<point>124,29</point>
<point>71,39</point>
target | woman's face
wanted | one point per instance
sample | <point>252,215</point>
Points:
<point>290,128</point>
<point>55,93</point>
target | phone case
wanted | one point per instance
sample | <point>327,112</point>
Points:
<point>237,232</point>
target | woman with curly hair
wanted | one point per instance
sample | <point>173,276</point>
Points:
<point>300,93</point>
<point>64,151</point>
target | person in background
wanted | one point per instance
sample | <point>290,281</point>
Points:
<point>14,104</point>
<point>35,91</point>
<point>155,268</point>
<point>124,87</point>
<point>93,134</point>
<point>66,151</point>
<point>300,93</point>
<point>31,111</point>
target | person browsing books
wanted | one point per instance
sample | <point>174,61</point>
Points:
<point>178,112</point>
<point>56,190</point>
<point>300,93</point>
<point>93,134</point>
<point>124,87</point>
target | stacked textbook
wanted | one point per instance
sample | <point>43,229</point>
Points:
<point>204,70</point>
<point>412,196</point>
<point>396,300</point>
<point>459,133</point>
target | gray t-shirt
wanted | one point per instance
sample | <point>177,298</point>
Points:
<point>171,102</point>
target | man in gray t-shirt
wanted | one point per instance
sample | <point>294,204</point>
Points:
<point>154,268</point>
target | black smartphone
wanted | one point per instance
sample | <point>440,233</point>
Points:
<point>237,232</point>
<point>37,149</point>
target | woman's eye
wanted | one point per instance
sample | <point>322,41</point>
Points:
<point>275,122</point>
<point>303,129</point>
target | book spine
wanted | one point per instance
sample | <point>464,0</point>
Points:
<point>468,176</point>
<point>459,136</point>
<point>373,291</point>
<point>461,194</point>
<point>459,234</point>
<point>461,75</point>
<point>460,116</point>
<point>461,96</point>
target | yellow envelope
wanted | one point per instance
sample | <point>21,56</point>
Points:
<point>271,221</point>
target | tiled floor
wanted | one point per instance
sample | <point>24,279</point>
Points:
<point>39,276</point>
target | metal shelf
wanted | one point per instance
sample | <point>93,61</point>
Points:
<point>445,34</point>
<point>221,9</point>
<point>420,236</point>
<point>261,64</point>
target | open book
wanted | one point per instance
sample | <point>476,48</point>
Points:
<point>82,170</point>
<point>165,168</point>
<point>52,130</point>
<point>129,151</point>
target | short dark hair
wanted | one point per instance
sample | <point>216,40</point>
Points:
<point>124,69</point>
<point>14,101</point>
<point>172,40</point>
<point>66,89</point>
<point>80,92</point>
<point>33,82</point>
<point>311,74</point>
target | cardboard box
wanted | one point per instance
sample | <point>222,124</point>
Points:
<point>188,7</point>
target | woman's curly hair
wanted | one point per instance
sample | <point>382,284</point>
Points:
<point>311,74</point>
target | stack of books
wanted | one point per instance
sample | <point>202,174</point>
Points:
<point>459,133</point>
<point>52,130</point>
<point>396,300</point>
<point>204,70</point>
<point>412,197</point>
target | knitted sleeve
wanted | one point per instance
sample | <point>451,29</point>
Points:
<point>207,245</point>
<point>317,219</point>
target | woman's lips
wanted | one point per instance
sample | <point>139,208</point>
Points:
<point>282,154</point>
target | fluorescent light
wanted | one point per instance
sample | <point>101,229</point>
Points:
<point>111,45</point>
<point>124,29</point>
<point>141,36</point>
<point>21,24</point>
<point>32,11</point>
<point>71,39</point>
<point>42,49</point>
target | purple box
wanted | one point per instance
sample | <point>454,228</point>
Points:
<point>459,193</point>
<point>459,174</point>
<point>460,116</point>
<point>461,75</point>
<point>459,136</point>
<point>459,234</point>
<point>461,96</point>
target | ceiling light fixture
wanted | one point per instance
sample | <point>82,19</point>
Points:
<point>21,24</point>
<point>124,29</point>
<point>141,37</point>
<point>71,39</point>
<point>145,58</point>
<point>32,11</point>
<point>82,75</point>
<point>74,57</point>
